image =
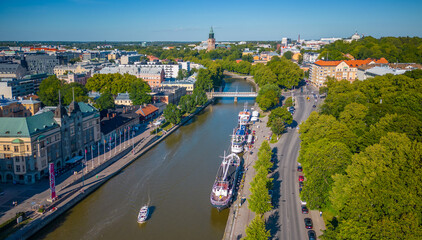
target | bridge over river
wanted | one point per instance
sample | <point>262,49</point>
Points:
<point>234,95</point>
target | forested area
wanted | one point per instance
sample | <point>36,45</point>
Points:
<point>394,49</point>
<point>362,158</point>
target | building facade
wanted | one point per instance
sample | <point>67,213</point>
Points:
<point>339,70</point>
<point>12,70</point>
<point>41,63</point>
<point>29,144</point>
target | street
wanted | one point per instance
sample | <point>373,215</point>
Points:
<point>286,221</point>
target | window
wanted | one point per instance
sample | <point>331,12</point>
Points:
<point>16,149</point>
<point>18,168</point>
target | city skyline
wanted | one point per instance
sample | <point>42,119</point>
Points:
<point>95,20</point>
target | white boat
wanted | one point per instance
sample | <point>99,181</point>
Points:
<point>143,214</point>
<point>238,139</point>
<point>244,116</point>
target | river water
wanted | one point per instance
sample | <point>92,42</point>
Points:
<point>175,177</point>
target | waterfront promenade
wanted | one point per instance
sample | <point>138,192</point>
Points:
<point>240,215</point>
<point>78,186</point>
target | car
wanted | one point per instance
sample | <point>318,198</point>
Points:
<point>299,168</point>
<point>314,106</point>
<point>300,189</point>
<point>311,235</point>
<point>300,184</point>
<point>308,223</point>
<point>301,178</point>
<point>304,209</point>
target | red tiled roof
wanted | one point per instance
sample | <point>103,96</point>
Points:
<point>147,110</point>
<point>351,63</point>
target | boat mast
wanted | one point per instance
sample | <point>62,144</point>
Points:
<point>227,167</point>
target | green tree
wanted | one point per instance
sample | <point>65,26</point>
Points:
<point>73,60</point>
<point>278,126</point>
<point>259,201</point>
<point>321,160</point>
<point>187,104</point>
<point>256,229</point>
<point>268,96</point>
<point>74,89</point>
<point>288,55</point>
<point>199,96</point>
<point>172,114</point>
<point>280,113</point>
<point>105,101</point>
<point>138,93</point>
<point>379,191</point>
<point>49,90</point>
<point>288,73</point>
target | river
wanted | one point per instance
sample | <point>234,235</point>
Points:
<point>175,177</point>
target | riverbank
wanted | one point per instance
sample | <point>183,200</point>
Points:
<point>240,215</point>
<point>72,192</point>
<point>248,78</point>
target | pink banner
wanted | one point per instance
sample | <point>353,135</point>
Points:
<point>52,181</point>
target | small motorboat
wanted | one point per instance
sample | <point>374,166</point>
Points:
<point>143,214</point>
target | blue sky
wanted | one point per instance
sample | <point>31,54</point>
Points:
<point>182,20</point>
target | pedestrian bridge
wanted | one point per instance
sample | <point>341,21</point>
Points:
<point>234,95</point>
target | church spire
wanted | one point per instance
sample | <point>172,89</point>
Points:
<point>211,36</point>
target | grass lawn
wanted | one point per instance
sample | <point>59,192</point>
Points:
<point>274,138</point>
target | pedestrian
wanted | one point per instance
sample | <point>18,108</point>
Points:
<point>320,213</point>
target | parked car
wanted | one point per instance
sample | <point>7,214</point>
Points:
<point>314,106</point>
<point>311,235</point>
<point>301,184</point>
<point>301,178</point>
<point>304,210</point>
<point>308,223</point>
<point>299,168</point>
<point>300,189</point>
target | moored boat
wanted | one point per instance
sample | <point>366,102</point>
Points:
<point>238,139</point>
<point>225,181</point>
<point>244,116</point>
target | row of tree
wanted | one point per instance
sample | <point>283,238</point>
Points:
<point>107,84</point>
<point>260,200</point>
<point>362,158</point>
<point>394,49</point>
<point>278,120</point>
<point>50,87</point>
<point>187,104</point>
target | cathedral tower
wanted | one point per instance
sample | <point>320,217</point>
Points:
<point>211,41</point>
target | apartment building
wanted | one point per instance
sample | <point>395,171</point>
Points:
<point>344,69</point>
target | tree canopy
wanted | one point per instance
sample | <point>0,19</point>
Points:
<point>105,101</point>
<point>361,156</point>
<point>50,87</point>
<point>268,96</point>
<point>138,92</point>
<point>394,49</point>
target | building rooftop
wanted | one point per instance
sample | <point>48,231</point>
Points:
<point>26,126</point>
<point>146,110</point>
<point>379,71</point>
<point>115,118</point>
<point>122,96</point>
<point>351,63</point>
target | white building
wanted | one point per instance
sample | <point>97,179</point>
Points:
<point>310,57</point>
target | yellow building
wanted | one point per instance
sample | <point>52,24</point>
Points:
<point>57,135</point>
<point>296,56</point>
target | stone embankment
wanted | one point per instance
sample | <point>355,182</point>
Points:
<point>73,192</point>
